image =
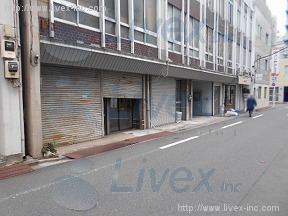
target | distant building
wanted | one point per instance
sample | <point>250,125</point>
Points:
<point>281,80</point>
<point>265,27</point>
<point>279,84</point>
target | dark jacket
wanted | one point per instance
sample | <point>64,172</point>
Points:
<point>251,103</point>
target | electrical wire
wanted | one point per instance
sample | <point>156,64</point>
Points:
<point>270,54</point>
<point>15,83</point>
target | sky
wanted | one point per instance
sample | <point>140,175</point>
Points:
<point>278,7</point>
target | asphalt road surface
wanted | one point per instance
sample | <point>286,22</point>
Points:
<point>236,167</point>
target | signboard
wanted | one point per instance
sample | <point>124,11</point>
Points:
<point>275,62</point>
<point>258,77</point>
<point>244,80</point>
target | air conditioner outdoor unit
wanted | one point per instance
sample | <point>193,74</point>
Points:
<point>249,72</point>
<point>238,71</point>
<point>243,70</point>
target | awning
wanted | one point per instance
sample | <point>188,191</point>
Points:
<point>100,59</point>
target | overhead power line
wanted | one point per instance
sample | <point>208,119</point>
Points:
<point>270,54</point>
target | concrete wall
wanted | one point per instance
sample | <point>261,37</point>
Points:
<point>10,106</point>
<point>263,101</point>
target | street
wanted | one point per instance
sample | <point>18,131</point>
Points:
<point>236,167</point>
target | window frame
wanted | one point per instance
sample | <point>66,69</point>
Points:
<point>191,37</point>
<point>77,7</point>
<point>144,30</point>
<point>230,12</point>
<point>259,92</point>
<point>220,54</point>
<point>286,71</point>
<point>209,44</point>
<point>230,53</point>
<point>267,39</point>
<point>173,41</point>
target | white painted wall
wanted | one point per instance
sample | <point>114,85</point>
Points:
<point>10,125</point>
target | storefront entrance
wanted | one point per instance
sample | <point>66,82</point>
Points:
<point>230,97</point>
<point>285,94</point>
<point>121,114</point>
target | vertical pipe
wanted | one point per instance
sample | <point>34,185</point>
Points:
<point>17,31</point>
<point>51,19</point>
<point>148,103</point>
<point>144,112</point>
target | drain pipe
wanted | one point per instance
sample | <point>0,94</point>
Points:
<point>21,107</point>
<point>148,103</point>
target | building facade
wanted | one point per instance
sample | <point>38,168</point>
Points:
<point>263,45</point>
<point>279,83</point>
<point>96,67</point>
<point>12,146</point>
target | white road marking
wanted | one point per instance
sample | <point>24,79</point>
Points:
<point>179,142</point>
<point>258,116</point>
<point>232,125</point>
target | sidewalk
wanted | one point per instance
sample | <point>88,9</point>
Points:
<point>111,142</point>
<point>125,138</point>
<point>118,140</point>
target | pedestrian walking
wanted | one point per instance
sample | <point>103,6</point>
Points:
<point>251,104</point>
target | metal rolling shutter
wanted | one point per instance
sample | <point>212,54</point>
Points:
<point>122,85</point>
<point>163,101</point>
<point>71,105</point>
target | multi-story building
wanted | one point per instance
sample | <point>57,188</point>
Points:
<point>279,86</point>
<point>11,107</point>
<point>95,67</point>
<point>263,45</point>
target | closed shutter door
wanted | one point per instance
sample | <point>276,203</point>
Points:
<point>71,105</point>
<point>122,85</point>
<point>163,101</point>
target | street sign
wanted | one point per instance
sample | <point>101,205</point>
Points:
<point>274,79</point>
<point>275,61</point>
<point>273,84</point>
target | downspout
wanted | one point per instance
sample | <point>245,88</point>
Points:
<point>51,19</point>
<point>144,112</point>
<point>148,109</point>
<point>21,104</point>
